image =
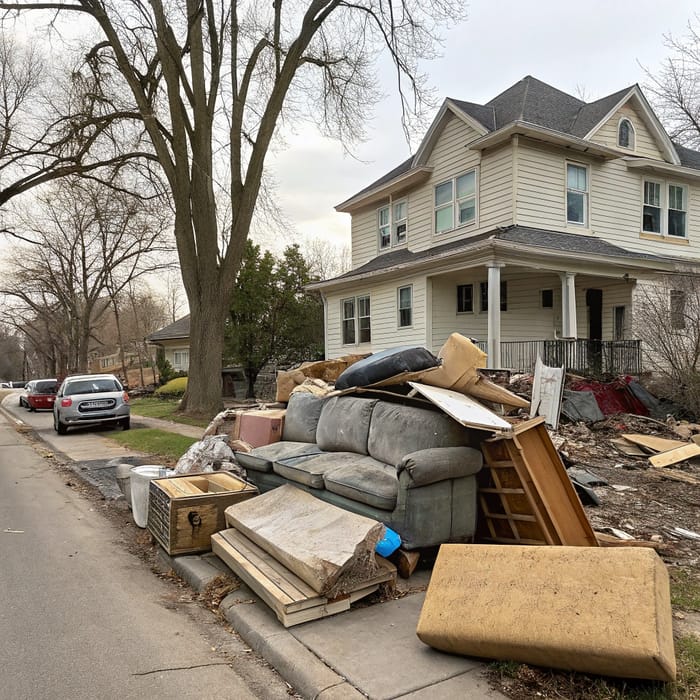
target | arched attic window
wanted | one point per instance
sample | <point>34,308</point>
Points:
<point>625,134</point>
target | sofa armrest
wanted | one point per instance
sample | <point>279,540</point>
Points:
<point>439,463</point>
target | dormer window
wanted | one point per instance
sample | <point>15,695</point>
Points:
<point>625,134</point>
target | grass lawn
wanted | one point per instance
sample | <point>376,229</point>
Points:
<point>159,443</point>
<point>166,409</point>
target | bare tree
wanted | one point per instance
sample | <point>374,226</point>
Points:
<point>81,244</point>
<point>675,88</point>
<point>667,320</point>
<point>214,80</point>
<point>325,259</point>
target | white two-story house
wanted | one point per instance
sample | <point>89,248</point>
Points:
<point>530,223</point>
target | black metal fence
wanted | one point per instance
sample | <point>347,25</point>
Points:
<point>582,356</point>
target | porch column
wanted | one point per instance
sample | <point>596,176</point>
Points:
<point>493,345</point>
<point>568,305</point>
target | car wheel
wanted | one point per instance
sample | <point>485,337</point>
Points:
<point>58,426</point>
<point>126,423</point>
<point>30,408</point>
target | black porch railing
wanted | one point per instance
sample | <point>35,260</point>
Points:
<point>582,356</point>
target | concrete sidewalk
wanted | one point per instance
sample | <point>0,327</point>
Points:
<point>369,651</point>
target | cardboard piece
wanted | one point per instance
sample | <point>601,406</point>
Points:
<point>594,610</point>
<point>460,361</point>
<point>261,427</point>
<point>327,370</point>
<point>463,409</point>
<point>327,547</point>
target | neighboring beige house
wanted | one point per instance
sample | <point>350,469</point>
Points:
<point>529,223</point>
<point>175,341</point>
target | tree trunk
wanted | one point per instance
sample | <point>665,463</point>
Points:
<point>251,374</point>
<point>204,385</point>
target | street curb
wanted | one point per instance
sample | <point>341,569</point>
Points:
<point>260,630</point>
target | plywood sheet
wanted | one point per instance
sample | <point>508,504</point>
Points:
<point>463,409</point>
<point>564,607</point>
<point>653,443</point>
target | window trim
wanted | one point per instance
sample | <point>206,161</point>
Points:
<point>392,224</point>
<point>356,320</point>
<point>454,202</point>
<point>586,193</point>
<point>632,134</point>
<point>399,309</point>
<point>471,298</point>
<point>665,209</point>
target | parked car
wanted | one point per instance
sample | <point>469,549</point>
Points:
<point>90,399</point>
<point>39,394</point>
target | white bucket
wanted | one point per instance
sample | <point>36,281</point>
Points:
<point>140,479</point>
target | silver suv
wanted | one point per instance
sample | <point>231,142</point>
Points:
<point>88,399</point>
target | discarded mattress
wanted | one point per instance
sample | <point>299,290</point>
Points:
<point>385,364</point>
<point>591,609</point>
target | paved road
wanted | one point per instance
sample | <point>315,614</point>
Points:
<point>81,618</point>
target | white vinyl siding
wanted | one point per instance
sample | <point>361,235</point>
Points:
<point>496,188</point>
<point>541,188</point>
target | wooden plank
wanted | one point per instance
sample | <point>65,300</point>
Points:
<point>463,409</point>
<point>653,443</point>
<point>554,487</point>
<point>677,475</point>
<point>296,590</point>
<point>273,582</point>
<point>679,454</point>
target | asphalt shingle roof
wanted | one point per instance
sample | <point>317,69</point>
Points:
<point>574,243</point>
<point>179,329</point>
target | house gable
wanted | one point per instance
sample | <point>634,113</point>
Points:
<point>650,138</point>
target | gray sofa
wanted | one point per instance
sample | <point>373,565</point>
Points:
<point>409,467</point>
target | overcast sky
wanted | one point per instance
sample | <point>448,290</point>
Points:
<point>596,48</point>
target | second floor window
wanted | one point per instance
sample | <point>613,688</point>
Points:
<point>576,194</point>
<point>455,202</point>
<point>392,221</point>
<point>664,216</point>
<point>356,320</point>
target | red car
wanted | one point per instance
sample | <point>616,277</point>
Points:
<point>40,394</point>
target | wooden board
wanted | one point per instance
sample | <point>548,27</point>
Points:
<point>463,409</point>
<point>679,454</point>
<point>290,598</point>
<point>525,494</point>
<point>655,444</point>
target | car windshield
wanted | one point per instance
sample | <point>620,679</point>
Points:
<point>92,386</point>
<point>45,387</point>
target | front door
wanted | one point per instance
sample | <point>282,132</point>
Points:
<point>594,302</point>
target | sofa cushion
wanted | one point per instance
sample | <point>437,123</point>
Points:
<point>344,424</point>
<point>301,418</point>
<point>440,463</point>
<point>309,469</point>
<point>365,480</point>
<point>397,430</point>
<point>261,458</point>
<point>385,364</point>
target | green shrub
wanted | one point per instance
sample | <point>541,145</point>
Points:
<point>175,388</point>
